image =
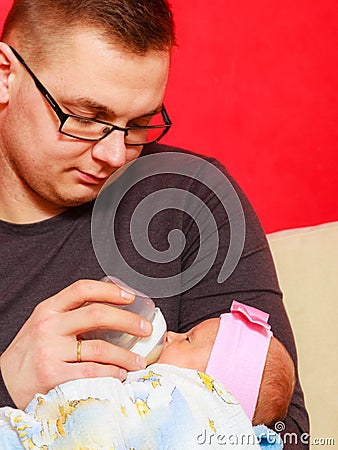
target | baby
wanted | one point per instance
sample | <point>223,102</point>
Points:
<point>205,389</point>
<point>239,350</point>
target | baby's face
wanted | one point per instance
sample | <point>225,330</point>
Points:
<point>190,350</point>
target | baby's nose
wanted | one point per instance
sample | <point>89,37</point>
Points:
<point>172,337</point>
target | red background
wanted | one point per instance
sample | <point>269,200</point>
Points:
<point>255,85</point>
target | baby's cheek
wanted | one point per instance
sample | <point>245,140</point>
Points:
<point>202,359</point>
<point>177,357</point>
<point>166,356</point>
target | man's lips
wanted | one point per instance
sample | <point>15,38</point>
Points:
<point>89,178</point>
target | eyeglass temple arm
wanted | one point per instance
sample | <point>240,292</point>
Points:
<point>165,116</point>
<point>40,86</point>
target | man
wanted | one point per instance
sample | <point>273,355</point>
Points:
<point>80,82</point>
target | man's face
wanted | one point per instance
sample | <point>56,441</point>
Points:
<point>191,350</point>
<point>49,171</point>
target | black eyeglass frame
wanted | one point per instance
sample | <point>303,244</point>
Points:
<point>62,116</point>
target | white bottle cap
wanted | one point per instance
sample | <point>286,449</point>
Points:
<point>151,347</point>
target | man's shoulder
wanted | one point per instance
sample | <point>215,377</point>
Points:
<point>152,149</point>
<point>181,157</point>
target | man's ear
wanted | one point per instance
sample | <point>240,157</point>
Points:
<point>7,61</point>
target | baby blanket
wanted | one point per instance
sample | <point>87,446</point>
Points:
<point>161,407</point>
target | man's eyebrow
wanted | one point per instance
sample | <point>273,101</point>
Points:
<point>92,104</point>
<point>152,113</point>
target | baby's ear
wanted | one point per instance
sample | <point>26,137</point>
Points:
<point>7,60</point>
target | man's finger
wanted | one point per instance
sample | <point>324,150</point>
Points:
<point>103,352</point>
<point>97,315</point>
<point>83,291</point>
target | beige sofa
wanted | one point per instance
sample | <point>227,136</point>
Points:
<point>307,266</point>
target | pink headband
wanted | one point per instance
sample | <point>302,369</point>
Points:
<point>238,356</point>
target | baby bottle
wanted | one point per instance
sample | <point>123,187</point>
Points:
<point>149,347</point>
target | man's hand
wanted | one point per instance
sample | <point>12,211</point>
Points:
<point>44,352</point>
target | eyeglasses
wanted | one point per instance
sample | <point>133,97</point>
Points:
<point>150,128</point>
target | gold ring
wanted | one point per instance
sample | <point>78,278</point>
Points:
<point>78,350</point>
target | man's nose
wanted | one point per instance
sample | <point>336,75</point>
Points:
<point>112,149</point>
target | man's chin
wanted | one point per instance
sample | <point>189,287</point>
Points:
<point>70,202</point>
<point>79,202</point>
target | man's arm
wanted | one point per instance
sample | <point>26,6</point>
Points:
<point>253,281</point>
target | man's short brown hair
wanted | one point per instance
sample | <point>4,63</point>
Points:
<point>137,26</point>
